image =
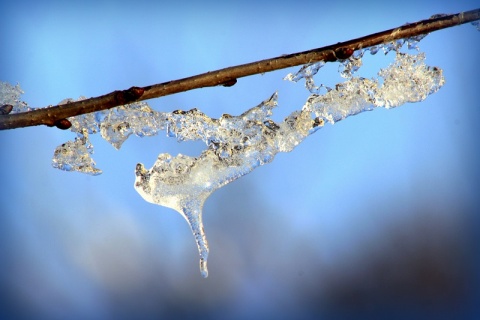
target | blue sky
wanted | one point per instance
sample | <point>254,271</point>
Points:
<point>375,214</point>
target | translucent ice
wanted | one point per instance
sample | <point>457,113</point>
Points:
<point>88,121</point>
<point>75,156</point>
<point>240,144</point>
<point>120,122</point>
<point>115,126</point>
<point>11,95</point>
<point>351,65</point>
<point>237,144</point>
<point>307,72</point>
<point>408,79</point>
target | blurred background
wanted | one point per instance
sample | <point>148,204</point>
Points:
<point>374,217</point>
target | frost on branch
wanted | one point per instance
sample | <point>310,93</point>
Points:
<point>75,156</point>
<point>138,118</point>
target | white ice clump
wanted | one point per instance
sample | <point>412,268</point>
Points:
<point>408,79</point>
<point>75,156</point>
<point>115,125</point>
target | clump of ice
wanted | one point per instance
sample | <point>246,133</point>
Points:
<point>408,79</point>
<point>11,95</point>
<point>239,144</point>
<point>236,146</point>
<point>115,126</point>
<point>75,156</point>
<point>119,123</point>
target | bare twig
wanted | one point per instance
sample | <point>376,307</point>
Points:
<point>55,116</point>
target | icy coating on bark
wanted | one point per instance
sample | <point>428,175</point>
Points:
<point>115,125</point>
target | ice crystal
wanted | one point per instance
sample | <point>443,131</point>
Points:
<point>349,66</point>
<point>11,95</point>
<point>119,123</point>
<point>408,79</point>
<point>115,126</point>
<point>307,72</point>
<point>88,121</point>
<point>236,146</point>
<point>75,156</point>
<point>476,24</point>
<point>239,144</point>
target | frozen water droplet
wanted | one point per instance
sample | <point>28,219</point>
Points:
<point>412,42</point>
<point>393,46</point>
<point>351,65</point>
<point>307,72</point>
<point>373,50</point>
<point>179,183</point>
<point>88,121</point>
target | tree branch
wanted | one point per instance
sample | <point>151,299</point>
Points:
<point>56,116</point>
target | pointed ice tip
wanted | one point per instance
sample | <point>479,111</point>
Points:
<point>203,268</point>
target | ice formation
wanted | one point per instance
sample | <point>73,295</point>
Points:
<point>10,95</point>
<point>115,125</point>
<point>238,144</point>
<point>408,79</point>
<point>75,156</point>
